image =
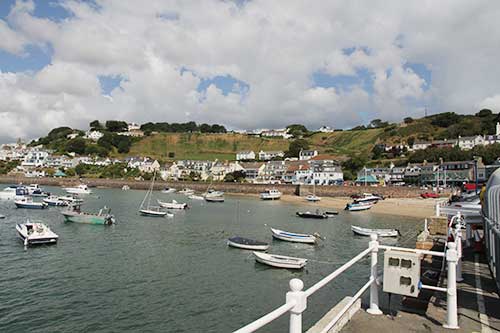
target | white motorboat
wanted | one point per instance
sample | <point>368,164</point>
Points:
<point>80,189</point>
<point>186,191</point>
<point>36,233</point>
<point>270,194</point>
<point>35,190</point>
<point>279,260</point>
<point>293,237</point>
<point>2,216</point>
<point>379,232</point>
<point>71,199</point>
<point>196,197</point>
<point>247,244</point>
<point>213,193</point>
<point>312,198</point>
<point>172,205</point>
<point>358,206</point>
<point>214,199</point>
<point>13,193</point>
<point>27,202</point>
<point>146,209</point>
<point>54,200</point>
<point>167,190</point>
<point>368,198</point>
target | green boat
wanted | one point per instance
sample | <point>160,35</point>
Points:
<point>75,215</point>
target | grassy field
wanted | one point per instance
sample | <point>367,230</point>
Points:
<point>345,143</point>
<point>199,146</point>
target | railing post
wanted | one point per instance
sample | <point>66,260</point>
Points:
<point>300,298</point>
<point>451,293</point>
<point>438,209</point>
<point>374,309</point>
<point>458,242</point>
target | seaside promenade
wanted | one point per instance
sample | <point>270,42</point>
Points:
<point>478,306</point>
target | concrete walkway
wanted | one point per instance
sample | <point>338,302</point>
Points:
<point>478,302</point>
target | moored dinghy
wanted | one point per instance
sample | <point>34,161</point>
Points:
<point>247,244</point>
<point>358,206</point>
<point>311,215</point>
<point>293,237</point>
<point>172,205</point>
<point>280,261</point>
<point>146,209</point>
<point>378,232</point>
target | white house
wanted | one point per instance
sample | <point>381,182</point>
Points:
<point>305,155</point>
<point>326,129</point>
<point>469,142</point>
<point>149,166</point>
<point>133,127</point>
<point>420,145</point>
<point>327,176</point>
<point>269,155</point>
<point>245,155</point>
<point>35,158</point>
<point>93,135</point>
<point>72,136</point>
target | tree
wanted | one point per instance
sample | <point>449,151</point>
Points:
<point>116,126</point>
<point>297,130</point>
<point>411,141</point>
<point>235,176</point>
<point>377,151</point>
<point>377,123</point>
<point>95,125</point>
<point>408,120</point>
<point>296,146</point>
<point>76,145</point>
<point>484,113</point>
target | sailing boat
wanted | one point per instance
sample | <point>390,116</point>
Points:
<point>246,243</point>
<point>211,195</point>
<point>313,197</point>
<point>148,210</point>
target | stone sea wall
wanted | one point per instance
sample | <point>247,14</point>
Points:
<point>323,191</point>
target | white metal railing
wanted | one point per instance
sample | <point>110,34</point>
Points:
<point>296,298</point>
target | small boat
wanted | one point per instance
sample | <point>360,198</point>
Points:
<point>332,212</point>
<point>213,193</point>
<point>125,188</point>
<point>378,232</point>
<point>36,233</point>
<point>71,199</point>
<point>2,216</point>
<point>311,215</point>
<point>13,193</point>
<point>80,189</point>
<point>34,190</point>
<point>54,200</point>
<point>75,215</point>
<point>247,244</point>
<point>172,205</point>
<point>214,199</point>
<point>279,261</point>
<point>146,209</point>
<point>27,202</point>
<point>196,197</point>
<point>270,194</point>
<point>312,198</point>
<point>186,191</point>
<point>293,237</point>
<point>167,190</point>
<point>358,206</point>
<point>368,198</point>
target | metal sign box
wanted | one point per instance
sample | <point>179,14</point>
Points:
<point>402,272</point>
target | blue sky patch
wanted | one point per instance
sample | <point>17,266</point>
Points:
<point>50,9</point>
<point>422,71</point>
<point>225,83</point>
<point>363,78</point>
<point>109,83</point>
<point>34,59</point>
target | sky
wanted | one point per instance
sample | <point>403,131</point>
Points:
<point>244,64</point>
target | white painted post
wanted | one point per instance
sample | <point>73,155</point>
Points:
<point>374,309</point>
<point>458,241</point>
<point>300,298</point>
<point>451,292</point>
<point>438,209</point>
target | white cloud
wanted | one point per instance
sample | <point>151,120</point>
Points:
<point>273,46</point>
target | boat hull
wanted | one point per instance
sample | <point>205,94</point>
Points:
<point>87,219</point>
<point>214,199</point>
<point>31,205</point>
<point>280,261</point>
<point>292,237</point>
<point>241,244</point>
<point>308,215</point>
<point>49,239</point>
<point>379,232</point>
<point>149,213</point>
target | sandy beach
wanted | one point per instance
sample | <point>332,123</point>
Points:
<point>410,207</point>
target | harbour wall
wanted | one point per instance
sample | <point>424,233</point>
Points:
<point>322,191</point>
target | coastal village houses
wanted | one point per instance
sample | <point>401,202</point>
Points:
<point>245,156</point>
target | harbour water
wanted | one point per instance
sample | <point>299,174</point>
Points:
<point>172,274</point>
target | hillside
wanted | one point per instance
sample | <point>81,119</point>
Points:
<point>199,146</point>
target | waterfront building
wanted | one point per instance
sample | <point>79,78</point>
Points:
<point>245,155</point>
<point>274,171</point>
<point>305,155</point>
<point>254,171</point>
<point>35,158</point>
<point>269,155</point>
